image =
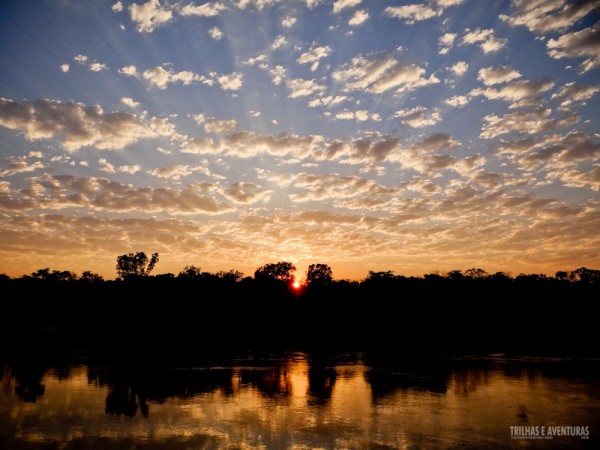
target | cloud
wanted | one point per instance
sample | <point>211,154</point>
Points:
<point>149,15</point>
<point>258,4</point>
<point>313,56</point>
<point>161,77</point>
<point>288,22</point>
<point>130,169</point>
<point>584,43</point>
<point>130,102</point>
<point>105,166</point>
<point>518,90</point>
<point>485,39</point>
<point>460,68</point>
<point>55,192</point>
<point>418,117</point>
<point>64,68</point>
<point>279,41</point>
<point>212,125</point>
<point>457,101</point>
<point>327,101</point>
<point>412,13</point>
<point>21,165</point>
<point>81,59</point>
<point>572,92</point>
<point>529,122</point>
<point>74,124</point>
<point>380,74</point>
<point>117,7</point>
<point>339,5</point>
<point>496,75</point>
<point>446,42</point>
<point>299,87</point>
<point>543,16</point>
<point>578,179</point>
<point>215,33</point>
<point>97,67</point>
<point>129,71</point>
<point>358,18</point>
<point>204,10</point>
<point>231,82</point>
<point>360,115</point>
<point>177,171</point>
<point>317,187</point>
<point>246,193</point>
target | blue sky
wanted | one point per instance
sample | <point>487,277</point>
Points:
<point>369,135</point>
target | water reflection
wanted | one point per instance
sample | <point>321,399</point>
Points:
<point>295,401</point>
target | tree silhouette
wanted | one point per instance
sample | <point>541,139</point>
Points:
<point>319,275</point>
<point>276,271</point>
<point>135,265</point>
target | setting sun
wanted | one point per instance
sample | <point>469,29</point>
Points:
<point>296,285</point>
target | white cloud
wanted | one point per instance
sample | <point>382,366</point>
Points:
<point>496,75</point>
<point>130,102</point>
<point>518,90</point>
<point>117,7</point>
<point>572,92</point>
<point>64,68</point>
<point>73,124</point>
<point>129,70</point>
<point>97,67</point>
<point>246,193</point>
<point>299,87</point>
<point>149,15</point>
<point>258,4</point>
<point>21,165</point>
<point>215,33</point>
<point>460,68</point>
<point>313,56</point>
<point>543,16</point>
<point>288,22</point>
<point>457,101</point>
<point>446,42</point>
<point>418,117</point>
<point>380,74</point>
<point>339,5</point>
<point>327,101</point>
<point>81,59</point>
<point>132,169</point>
<point>178,171</point>
<point>529,122</point>
<point>231,82</point>
<point>485,39</point>
<point>35,154</point>
<point>212,125</point>
<point>358,17</point>
<point>312,3</point>
<point>279,41</point>
<point>105,166</point>
<point>412,13</point>
<point>204,10</point>
<point>161,77</point>
<point>360,115</point>
<point>583,43</point>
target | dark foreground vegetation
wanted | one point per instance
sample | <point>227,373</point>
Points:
<point>458,312</point>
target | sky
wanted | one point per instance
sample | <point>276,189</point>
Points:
<point>368,135</point>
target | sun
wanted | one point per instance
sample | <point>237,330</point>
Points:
<point>296,284</point>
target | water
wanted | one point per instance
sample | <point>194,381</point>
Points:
<point>295,400</point>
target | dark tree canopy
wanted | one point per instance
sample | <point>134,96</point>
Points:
<point>319,275</point>
<point>135,265</point>
<point>276,271</point>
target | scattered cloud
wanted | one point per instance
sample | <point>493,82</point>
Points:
<point>129,71</point>
<point>231,82</point>
<point>460,68</point>
<point>485,39</point>
<point>446,42</point>
<point>73,124</point>
<point>545,16</point>
<point>528,122</point>
<point>177,171</point>
<point>418,117</point>
<point>517,90</point>
<point>358,18</point>
<point>314,55</point>
<point>117,7</point>
<point>584,43</point>
<point>380,74</point>
<point>457,101</point>
<point>412,13</point>
<point>339,5</point>
<point>279,42</point>
<point>299,87</point>
<point>130,102</point>
<point>496,75</point>
<point>216,33</point>
<point>288,22</point>
<point>149,15</point>
<point>204,10</point>
<point>573,93</point>
<point>64,68</point>
<point>130,169</point>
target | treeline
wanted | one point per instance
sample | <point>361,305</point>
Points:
<point>470,311</point>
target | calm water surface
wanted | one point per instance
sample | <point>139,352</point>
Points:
<point>299,401</point>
